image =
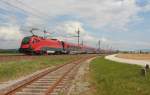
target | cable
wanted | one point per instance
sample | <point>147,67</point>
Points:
<point>5,12</point>
<point>30,13</point>
<point>27,6</point>
<point>8,3</point>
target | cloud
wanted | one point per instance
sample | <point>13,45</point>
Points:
<point>71,27</point>
<point>10,37</point>
<point>110,15</point>
<point>113,14</point>
<point>147,8</point>
<point>10,33</point>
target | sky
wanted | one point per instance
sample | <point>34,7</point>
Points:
<point>118,24</point>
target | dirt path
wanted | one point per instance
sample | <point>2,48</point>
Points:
<point>80,85</point>
<point>128,61</point>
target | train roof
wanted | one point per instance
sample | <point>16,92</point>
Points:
<point>83,46</point>
<point>68,43</point>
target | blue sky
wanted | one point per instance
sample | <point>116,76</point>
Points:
<point>121,24</point>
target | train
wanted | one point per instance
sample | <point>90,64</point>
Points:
<point>40,45</point>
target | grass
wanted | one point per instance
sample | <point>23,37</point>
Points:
<point>11,54</point>
<point>11,51</point>
<point>113,78</point>
<point>14,69</point>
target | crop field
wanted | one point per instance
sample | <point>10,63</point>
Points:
<point>13,67</point>
<point>135,56</point>
<point>113,78</point>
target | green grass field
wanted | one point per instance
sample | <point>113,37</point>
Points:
<point>14,69</point>
<point>9,51</point>
<point>113,78</point>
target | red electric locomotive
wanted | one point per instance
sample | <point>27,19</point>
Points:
<point>40,45</point>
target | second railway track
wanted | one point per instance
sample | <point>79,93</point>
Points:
<point>52,82</point>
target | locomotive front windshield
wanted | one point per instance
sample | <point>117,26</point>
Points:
<point>26,40</point>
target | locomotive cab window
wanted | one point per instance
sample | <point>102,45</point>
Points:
<point>26,40</point>
<point>35,41</point>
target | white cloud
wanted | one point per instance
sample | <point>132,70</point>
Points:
<point>71,27</point>
<point>147,8</point>
<point>115,14</point>
<point>10,37</point>
<point>104,39</point>
<point>10,33</point>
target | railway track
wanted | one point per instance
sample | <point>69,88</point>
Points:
<point>49,82</point>
<point>24,55</point>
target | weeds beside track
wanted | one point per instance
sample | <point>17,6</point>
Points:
<point>24,65</point>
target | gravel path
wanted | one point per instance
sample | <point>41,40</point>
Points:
<point>80,85</point>
<point>128,61</point>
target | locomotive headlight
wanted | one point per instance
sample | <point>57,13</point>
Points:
<point>30,47</point>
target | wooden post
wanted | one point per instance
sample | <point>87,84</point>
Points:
<point>147,67</point>
<point>143,72</point>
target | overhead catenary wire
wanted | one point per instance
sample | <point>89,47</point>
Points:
<point>24,11</point>
<point>4,13</point>
<point>32,8</point>
<point>30,13</point>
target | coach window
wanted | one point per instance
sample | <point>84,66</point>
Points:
<point>37,41</point>
<point>33,42</point>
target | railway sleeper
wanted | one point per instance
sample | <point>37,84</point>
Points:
<point>54,93</point>
<point>44,80</point>
<point>40,87</point>
<point>41,84</point>
<point>27,93</point>
<point>34,90</point>
<point>50,76</point>
<point>48,79</point>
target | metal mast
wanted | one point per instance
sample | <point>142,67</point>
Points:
<point>99,43</point>
<point>78,32</point>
